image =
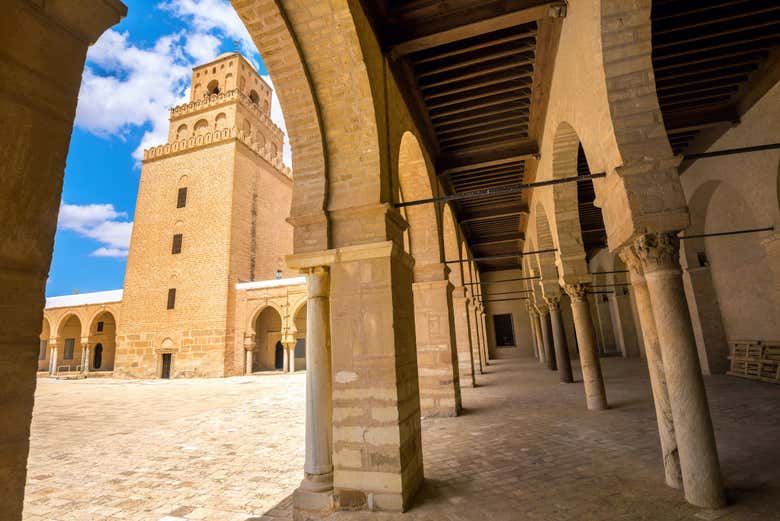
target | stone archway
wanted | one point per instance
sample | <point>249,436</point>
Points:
<point>44,354</point>
<point>267,327</point>
<point>299,316</point>
<point>102,332</point>
<point>69,333</point>
<point>433,316</point>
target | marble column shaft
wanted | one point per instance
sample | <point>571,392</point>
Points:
<point>595,394</point>
<point>655,366</point>
<point>559,340</point>
<point>537,327</point>
<point>699,465</point>
<point>318,465</point>
<point>547,340</point>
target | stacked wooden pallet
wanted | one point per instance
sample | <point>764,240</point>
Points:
<point>756,360</point>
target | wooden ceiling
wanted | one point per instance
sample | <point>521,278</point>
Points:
<point>477,72</point>
<point>713,59</point>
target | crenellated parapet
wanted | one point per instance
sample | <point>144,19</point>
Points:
<point>215,100</point>
<point>219,136</point>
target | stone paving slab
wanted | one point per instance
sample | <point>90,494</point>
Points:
<point>525,449</point>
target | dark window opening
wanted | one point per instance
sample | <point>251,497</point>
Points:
<point>181,202</point>
<point>100,326</point>
<point>702,257</point>
<point>505,332</point>
<point>70,343</point>
<point>171,298</point>
<point>176,247</point>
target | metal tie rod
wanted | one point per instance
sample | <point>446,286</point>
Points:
<point>498,257</point>
<point>499,190</point>
<point>504,293</point>
<point>500,281</point>
<point>730,151</point>
<point>732,232</point>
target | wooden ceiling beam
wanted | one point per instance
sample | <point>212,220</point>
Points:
<point>522,16</point>
<point>476,47</point>
<point>495,213</point>
<point>481,84</point>
<point>461,162</point>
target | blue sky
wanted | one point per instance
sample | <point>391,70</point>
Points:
<point>134,73</point>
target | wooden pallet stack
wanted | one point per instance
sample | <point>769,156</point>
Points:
<point>756,360</point>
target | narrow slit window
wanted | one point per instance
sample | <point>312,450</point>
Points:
<point>181,201</point>
<point>100,327</point>
<point>176,247</point>
<point>171,298</point>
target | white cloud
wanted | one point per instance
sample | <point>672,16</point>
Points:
<point>109,252</point>
<point>202,47</point>
<point>125,86</point>
<point>212,15</point>
<point>100,222</point>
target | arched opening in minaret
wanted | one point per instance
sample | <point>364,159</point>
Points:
<point>213,87</point>
<point>254,97</point>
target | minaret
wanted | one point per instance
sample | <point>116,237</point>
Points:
<point>211,210</point>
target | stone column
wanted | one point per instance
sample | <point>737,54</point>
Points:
<point>437,357</point>
<point>377,442</point>
<point>85,354</point>
<point>475,340</point>
<point>702,480</point>
<point>595,395</point>
<point>288,364</point>
<point>655,366</point>
<point>483,333</point>
<point>53,360</point>
<point>559,339</point>
<point>536,317</point>
<point>44,45</point>
<point>249,348</point>
<point>547,340</point>
<point>531,319</point>
<point>460,313</point>
<point>314,496</point>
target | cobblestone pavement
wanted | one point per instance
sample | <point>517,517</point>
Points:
<point>525,449</point>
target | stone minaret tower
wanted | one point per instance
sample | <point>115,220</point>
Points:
<point>211,210</point>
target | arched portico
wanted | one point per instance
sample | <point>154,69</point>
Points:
<point>68,344</point>
<point>101,342</point>
<point>268,351</point>
<point>437,365</point>
<point>452,249</point>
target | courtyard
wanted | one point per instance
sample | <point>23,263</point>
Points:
<point>524,449</point>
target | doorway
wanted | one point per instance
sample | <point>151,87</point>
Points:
<point>97,360</point>
<point>279,356</point>
<point>505,332</point>
<point>166,365</point>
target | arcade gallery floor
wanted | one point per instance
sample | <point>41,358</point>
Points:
<point>524,449</point>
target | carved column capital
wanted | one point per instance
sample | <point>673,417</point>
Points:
<point>318,281</point>
<point>657,251</point>
<point>553,302</point>
<point>630,258</point>
<point>578,291</point>
<point>543,310</point>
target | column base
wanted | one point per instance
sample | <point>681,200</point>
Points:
<point>313,499</point>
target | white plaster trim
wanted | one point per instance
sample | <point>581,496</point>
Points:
<point>273,283</point>
<point>82,299</point>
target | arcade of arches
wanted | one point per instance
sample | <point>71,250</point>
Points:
<point>432,100</point>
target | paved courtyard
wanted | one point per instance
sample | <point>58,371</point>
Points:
<point>525,449</point>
